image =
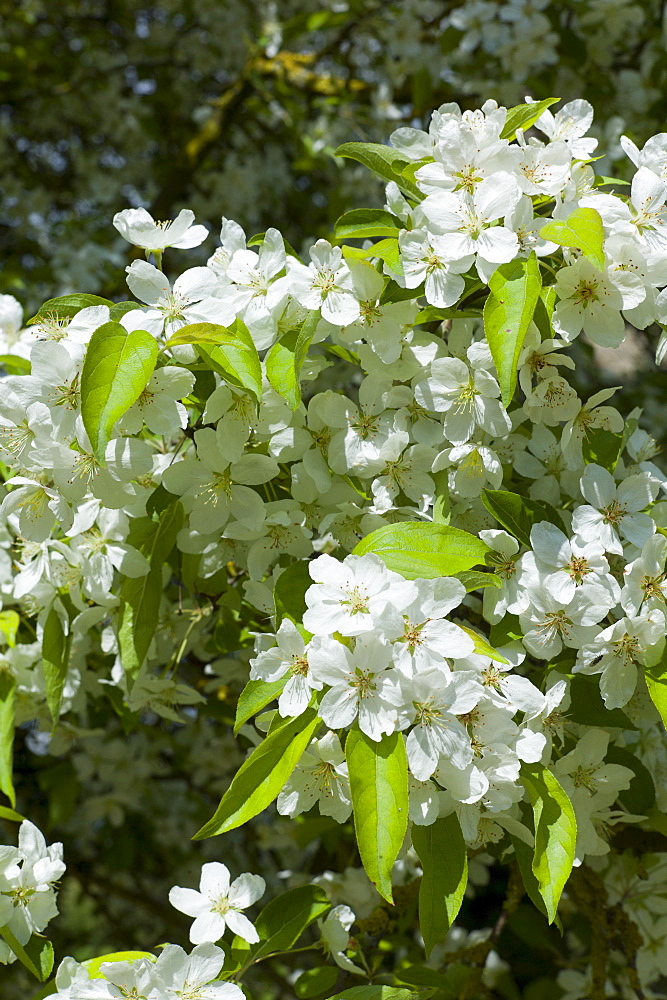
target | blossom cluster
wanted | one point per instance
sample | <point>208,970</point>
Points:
<point>480,679</point>
<point>29,875</point>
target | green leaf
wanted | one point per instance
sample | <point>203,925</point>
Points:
<point>67,306</point>
<point>482,647</point>
<point>14,365</point>
<point>11,815</point>
<point>289,593</point>
<point>93,965</point>
<point>383,161</point>
<point>601,181</point>
<point>9,626</point>
<point>119,309</point>
<point>263,774</point>
<point>285,360</point>
<point>417,550</point>
<point>116,370</point>
<point>314,982</point>
<point>555,834</point>
<point>7,718</point>
<point>362,223</point>
<point>36,955</point>
<point>442,852</point>
<point>259,238</point>
<point>55,661</point>
<point>140,598</point>
<point>229,351</point>
<point>524,115</point>
<point>582,230</point>
<point>282,921</point>
<point>518,514</point>
<point>255,696</point>
<point>588,709</point>
<point>379,786</point>
<point>386,250</point>
<point>514,290</point>
<point>656,682</point>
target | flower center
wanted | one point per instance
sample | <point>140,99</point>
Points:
<point>172,307</point>
<point>357,601</point>
<point>577,569</point>
<point>366,425</point>
<point>326,777</point>
<point>325,280</point>
<point>370,313</point>
<point>364,683</point>
<point>614,513</point>
<point>427,713</point>
<point>299,665</point>
<point>505,565</point>
<point>412,635</point>
<point>584,777</point>
<point>652,587</point>
<point>67,394</point>
<point>627,648</point>
<point>586,292</point>
<point>555,624</point>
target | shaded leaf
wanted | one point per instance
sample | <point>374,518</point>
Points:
<point>444,860</point>
<point>314,982</point>
<point>282,921</point>
<point>55,661</point>
<point>588,709</point>
<point>640,796</point>
<point>36,955</point>
<point>289,592</point>
<point>382,993</point>
<point>473,579</point>
<point>140,597</point>
<point>518,514</point>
